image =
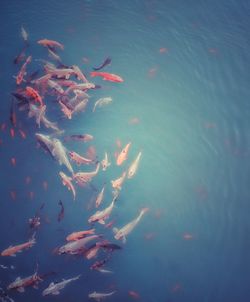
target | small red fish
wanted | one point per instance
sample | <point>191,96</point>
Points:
<point>22,133</point>
<point>163,50</point>
<point>188,236</point>
<point>13,195</point>
<point>134,294</point>
<point>27,180</point>
<point>134,121</point>
<point>3,126</point>
<point>107,76</point>
<point>13,161</point>
<point>31,195</point>
<point>45,185</point>
<point>12,132</point>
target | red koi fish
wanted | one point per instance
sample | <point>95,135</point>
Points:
<point>107,76</point>
<point>78,235</point>
<point>50,43</point>
<point>12,250</point>
<point>31,92</point>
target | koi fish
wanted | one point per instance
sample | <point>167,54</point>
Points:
<point>66,110</point>
<point>54,288</point>
<point>117,183</point>
<point>53,85</point>
<point>77,246</point>
<point>99,296</point>
<point>12,250</point>
<point>99,198</point>
<point>82,86</point>
<point>134,166</point>
<point>22,72</point>
<point>45,142</point>
<point>79,74</point>
<point>24,34</point>
<point>80,160</point>
<point>31,92</point>
<point>105,163</point>
<point>101,102</point>
<point>59,152</point>
<point>91,252</point>
<point>78,235</point>
<point>79,137</point>
<point>107,76</point>
<point>123,154</point>
<point>20,284</point>
<point>67,181</point>
<point>84,177</point>
<point>12,113</point>
<point>61,213</point>
<point>134,294</point>
<point>50,43</point>
<point>20,57</point>
<point>100,216</point>
<point>53,55</point>
<point>128,228</point>
<point>105,63</point>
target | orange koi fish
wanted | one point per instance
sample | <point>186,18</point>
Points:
<point>123,155</point>
<point>67,181</point>
<point>77,235</point>
<point>50,43</point>
<point>31,92</point>
<point>107,76</point>
<point>12,250</point>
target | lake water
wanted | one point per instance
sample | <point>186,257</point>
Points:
<point>184,104</point>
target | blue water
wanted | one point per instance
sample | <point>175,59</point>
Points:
<point>185,66</point>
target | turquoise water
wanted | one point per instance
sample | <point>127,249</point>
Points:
<point>184,103</point>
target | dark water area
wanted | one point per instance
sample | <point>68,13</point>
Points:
<point>184,104</point>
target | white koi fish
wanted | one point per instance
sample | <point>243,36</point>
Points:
<point>24,34</point>
<point>80,160</point>
<point>59,152</point>
<point>117,183</point>
<point>20,284</point>
<point>54,288</point>
<point>79,74</point>
<point>124,231</point>
<point>100,216</point>
<point>99,296</point>
<point>134,166</point>
<point>85,177</point>
<point>67,181</point>
<point>101,102</point>
<point>99,197</point>
<point>105,162</point>
<point>74,247</point>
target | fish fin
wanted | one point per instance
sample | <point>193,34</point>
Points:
<point>21,289</point>
<point>101,221</point>
<point>55,293</point>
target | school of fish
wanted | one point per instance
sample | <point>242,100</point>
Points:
<point>69,87</point>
